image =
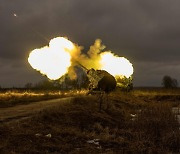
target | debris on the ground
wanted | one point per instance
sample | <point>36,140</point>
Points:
<point>94,141</point>
<point>133,116</point>
<point>38,134</point>
<point>48,135</point>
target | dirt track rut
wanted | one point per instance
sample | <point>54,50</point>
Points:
<point>25,111</point>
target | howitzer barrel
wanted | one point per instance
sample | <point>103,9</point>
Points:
<point>82,66</point>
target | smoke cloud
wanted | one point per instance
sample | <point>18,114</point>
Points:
<point>61,57</point>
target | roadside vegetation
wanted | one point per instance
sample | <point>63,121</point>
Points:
<point>10,97</point>
<point>141,121</point>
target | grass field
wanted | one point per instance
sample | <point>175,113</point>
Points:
<point>137,122</point>
<point>10,98</point>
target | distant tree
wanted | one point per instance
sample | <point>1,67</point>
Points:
<point>169,82</point>
<point>70,83</point>
<point>45,84</point>
<point>84,81</point>
<point>28,85</point>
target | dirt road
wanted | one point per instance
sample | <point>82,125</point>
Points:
<point>25,111</point>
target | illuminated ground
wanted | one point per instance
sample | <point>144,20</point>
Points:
<point>138,122</point>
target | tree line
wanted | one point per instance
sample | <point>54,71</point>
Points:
<point>169,82</point>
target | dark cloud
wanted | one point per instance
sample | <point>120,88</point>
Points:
<point>146,32</point>
<point>153,72</point>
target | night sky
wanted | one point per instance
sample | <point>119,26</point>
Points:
<point>147,32</point>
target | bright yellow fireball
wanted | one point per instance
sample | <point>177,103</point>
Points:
<point>53,60</point>
<point>116,66</point>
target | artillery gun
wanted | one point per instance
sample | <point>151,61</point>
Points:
<point>100,80</point>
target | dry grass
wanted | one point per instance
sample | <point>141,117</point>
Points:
<point>130,124</point>
<point>14,97</point>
